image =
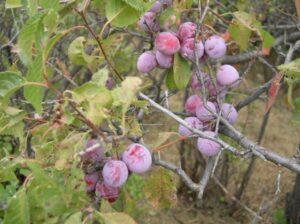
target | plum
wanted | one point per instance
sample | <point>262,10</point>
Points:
<point>167,43</point>
<point>208,147</point>
<point>187,49</point>
<point>149,23</point>
<point>192,121</point>
<point>94,151</point>
<point>186,30</point>
<point>164,61</point>
<point>227,75</point>
<point>91,181</point>
<point>146,62</point>
<point>106,192</point>
<point>215,47</point>
<point>204,114</point>
<point>137,158</point>
<point>115,173</point>
<point>192,103</point>
<point>229,112</point>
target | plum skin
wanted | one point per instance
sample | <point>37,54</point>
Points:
<point>215,47</point>
<point>167,43</point>
<point>149,23</point>
<point>115,173</point>
<point>164,61</point>
<point>104,191</point>
<point>93,155</point>
<point>229,113</point>
<point>203,114</point>
<point>146,62</point>
<point>91,181</point>
<point>192,103</point>
<point>186,30</point>
<point>187,49</point>
<point>137,158</point>
<point>208,147</point>
<point>192,121</point>
<point>227,75</point>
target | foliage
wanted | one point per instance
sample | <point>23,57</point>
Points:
<point>54,96</point>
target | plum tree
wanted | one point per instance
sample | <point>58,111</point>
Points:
<point>227,75</point>
<point>208,147</point>
<point>203,113</point>
<point>167,43</point>
<point>115,173</point>
<point>146,62</point>
<point>186,30</point>
<point>138,158</point>
<point>192,121</point>
<point>164,61</point>
<point>215,47</point>
<point>192,103</point>
<point>188,51</point>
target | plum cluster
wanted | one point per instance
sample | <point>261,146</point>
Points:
<point>110,174</point>
<point>203,114</point>
<point>167,44</point>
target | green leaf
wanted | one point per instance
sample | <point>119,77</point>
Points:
<point>18,209</point>
<point>116,218</point>
<point>291,69</point>
<point>27,38</point>
<point>11,4</point>
<point>9,83</point>
<point>11,121</point>
<point>95,100</point>
<point>136,4</point>
<point>240,33</point>
<point>182,73</point>
<point>74,218</point>
<point>171,85</point>
<point>76,52</point>
<point>160,189</point>
<point>296,114</point>
<point>34,94</point>
<point>120,14</point>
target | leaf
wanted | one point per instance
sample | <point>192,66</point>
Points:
<point>136,4</point>
<point>35,94</point>
<point>9,83</point>
<point>76,52</point>
<point>296,115</point>
<point>18,209</point>
<point>160,189</point>
<point>120,14</point>
<point>273,91</point>
<point>116,218</point>
<point>11,121</point>
<point>240,34</point>
<point>11,4</point>
<point>182,73</point>
<point>27,38</point>
<point>74,218</point>
<point>291,69</point>
<point>132,83</point>
<point>170,83</point>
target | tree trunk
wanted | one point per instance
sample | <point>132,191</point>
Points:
<point>292,208</point>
